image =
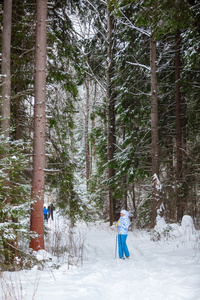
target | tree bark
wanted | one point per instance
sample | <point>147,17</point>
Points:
<point>124,178</point>
<point>110,100</point>
<point>87,146</point>
<point>179,146</point>
<point>37,222</point>
<point>5,67</point>
<point>6,81</point>
<point>17,115</point>
<point>154,127</point>
<point>93,126</point>
<point>7,250</point>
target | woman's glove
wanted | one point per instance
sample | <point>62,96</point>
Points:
<point>118,224</point>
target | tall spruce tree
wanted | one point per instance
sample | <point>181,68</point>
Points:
<point>37,242</point>
<point>110,104</point>
<point>6,79</point>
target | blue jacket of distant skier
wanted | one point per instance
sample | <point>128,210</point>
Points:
<point>45,211</point>
<point>124,223</point>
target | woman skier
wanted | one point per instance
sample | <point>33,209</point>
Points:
<point>122,227</point>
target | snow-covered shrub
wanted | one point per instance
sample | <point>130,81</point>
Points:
<point>187,224</point>
<point>183,232</point>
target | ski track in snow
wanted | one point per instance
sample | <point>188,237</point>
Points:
<point>155,271</point>
<point>146,275</point>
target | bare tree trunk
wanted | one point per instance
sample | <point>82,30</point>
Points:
<point>70,240</point>
<point>124,179</point>
<point>134,201</point>
<point>110,112</point>
<point>93,126</point>
<point>170,178</point>
<point>37,222</point>
<point>8,250</point>
<point>87,146</point>
<point>5,67</point>
<point>154,127</point>
<point>17,115</point>
<point>179,156</point>
<point>6,80</point>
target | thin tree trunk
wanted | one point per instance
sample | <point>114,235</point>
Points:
<point>71,226</point>
<point>17,115</point>
<point>5,67</point>
<point>110,112</point>
<point>170,178</point>
<point>87,147</point>
<point>93,126</point>
<point>124,179</point>
<point>154,128</point>
<point>179,146</point>
<point>8,251</point>
<point>37,222</point>
<point>6,81</point>
<point>134,200</point>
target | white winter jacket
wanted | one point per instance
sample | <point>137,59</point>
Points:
<point>124,223</point>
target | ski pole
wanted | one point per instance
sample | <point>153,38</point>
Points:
<point>116,245</point>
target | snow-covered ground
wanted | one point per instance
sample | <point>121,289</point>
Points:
<point>162,270</point>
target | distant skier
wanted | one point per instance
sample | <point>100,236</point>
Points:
<point>45,212</point>
<point>122,227</point>
<point>51,209</point>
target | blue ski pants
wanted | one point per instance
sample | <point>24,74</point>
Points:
<point>122,247</point>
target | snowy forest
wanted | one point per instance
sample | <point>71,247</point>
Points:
<point>100,111</point>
